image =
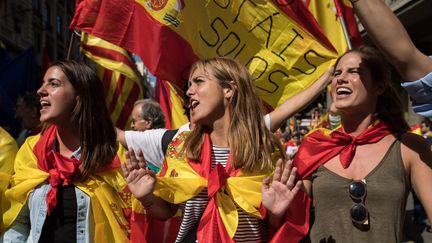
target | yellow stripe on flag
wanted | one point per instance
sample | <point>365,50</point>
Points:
<point>118,94</point>
<point>178,117</point>
<point>324,12</point>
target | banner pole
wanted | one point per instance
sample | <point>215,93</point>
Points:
<point>71,42</point>
<point>342,22</point>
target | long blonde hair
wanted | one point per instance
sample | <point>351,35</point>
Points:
<point>251,143</point>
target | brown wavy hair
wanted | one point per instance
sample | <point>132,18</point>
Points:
<point>251,143</point>
<point>389,105</point>
<point>91,117</point>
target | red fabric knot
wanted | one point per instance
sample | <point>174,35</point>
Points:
<point>61,171</point>
<point>349,144</point>
<point>217,180</point>
<point>318,147</point>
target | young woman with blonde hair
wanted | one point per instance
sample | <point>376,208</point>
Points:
<point>215,173</point>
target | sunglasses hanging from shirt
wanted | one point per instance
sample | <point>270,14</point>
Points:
<point>359,212</point>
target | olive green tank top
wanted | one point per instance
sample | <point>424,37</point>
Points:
<point>387,190</point>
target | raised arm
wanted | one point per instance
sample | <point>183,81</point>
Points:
<point>388,33</point>
<point>121,136</point>
<point>298,101</point>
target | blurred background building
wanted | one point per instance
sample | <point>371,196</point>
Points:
<point>41,24</point>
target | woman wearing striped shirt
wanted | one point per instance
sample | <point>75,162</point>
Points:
<point>215,173</point>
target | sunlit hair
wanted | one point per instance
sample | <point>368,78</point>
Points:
<point>389,106</point>
<point>151,110</point>
<point>90,116</point>
<point>251,143</point>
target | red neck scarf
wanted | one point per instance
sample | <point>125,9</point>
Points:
<point>211,227</point>
<point>316,149</point>
<point>61,170</point>
<point>319,147</point>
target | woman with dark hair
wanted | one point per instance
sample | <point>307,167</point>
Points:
<point>215,172</point>
<point>359,174</point>
<point>67,180</point>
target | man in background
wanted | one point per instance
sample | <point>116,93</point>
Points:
<point>147,114</point>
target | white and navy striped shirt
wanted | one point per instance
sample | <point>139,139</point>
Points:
<point>250,229</point>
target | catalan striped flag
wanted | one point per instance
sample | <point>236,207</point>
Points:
<point>171,101</point>
<point>328,13</point>
<point>121,84</point>
<point>283,51</point>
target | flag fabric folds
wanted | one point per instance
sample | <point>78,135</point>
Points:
<point>122,89</point>
<point>282,53</point>
<point>328,13</point>
<point>121,84</point>
<point>171,102</point>
<point>8,151</point>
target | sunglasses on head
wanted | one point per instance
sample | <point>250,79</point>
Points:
<point>359,212</point>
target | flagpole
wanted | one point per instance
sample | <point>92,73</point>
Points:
<point>342,22</point>
<point>345,31</point>
<point>71,42</point>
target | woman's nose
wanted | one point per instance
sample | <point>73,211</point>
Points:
<point>189,91</point>
<point>41,91</point>
<point>341,78</point>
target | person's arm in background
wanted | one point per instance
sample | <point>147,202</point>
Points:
<point>149,142</point>
<point>297,102</point>
<point>121,136</point>
<point>390,36</point>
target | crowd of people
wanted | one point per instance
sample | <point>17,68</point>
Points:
<point>225,176</point>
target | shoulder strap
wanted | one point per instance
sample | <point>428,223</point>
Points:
<point>166,139</point>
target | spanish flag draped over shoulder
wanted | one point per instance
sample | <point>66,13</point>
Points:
<point>328,13</point>
<point>8,150</point>
<point>181,179</point>
<point>104,189</point>
<point>116,70</point>
<point>283,54</point>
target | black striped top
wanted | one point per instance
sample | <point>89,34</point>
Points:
<point>250,229</point>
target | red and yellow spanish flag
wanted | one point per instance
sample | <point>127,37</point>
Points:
<point>328,13</point>
<point>121,84</point>
<point>171,101</point>
<point>8,151</point>
<point>284,53</point>
<point>103,188</point>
